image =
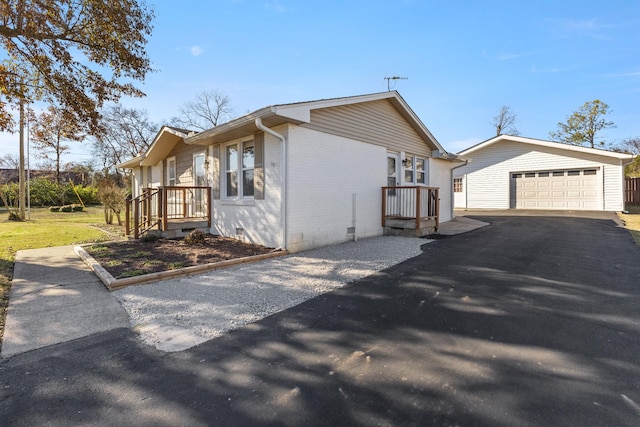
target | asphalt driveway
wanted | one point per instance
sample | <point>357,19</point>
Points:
<point>529,321</point>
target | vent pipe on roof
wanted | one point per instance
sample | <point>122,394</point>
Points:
<point>283,176</point>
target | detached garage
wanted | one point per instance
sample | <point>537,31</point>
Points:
<point>510,172</point>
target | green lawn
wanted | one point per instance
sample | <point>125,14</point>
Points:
<point>44,229</point>
<point>632,221</point>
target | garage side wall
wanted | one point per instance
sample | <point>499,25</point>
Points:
<point>488,174</point>
<point>613,187</point>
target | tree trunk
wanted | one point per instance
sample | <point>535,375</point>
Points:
<point>22,198</point>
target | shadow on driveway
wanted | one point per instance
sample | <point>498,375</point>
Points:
<point>530,321</point>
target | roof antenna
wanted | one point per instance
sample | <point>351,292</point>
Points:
<point>388,79</point>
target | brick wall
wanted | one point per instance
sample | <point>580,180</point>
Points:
<point>325,172</point>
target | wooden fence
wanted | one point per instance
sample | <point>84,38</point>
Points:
<point>632,191</point>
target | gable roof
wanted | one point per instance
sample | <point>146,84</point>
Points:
<point>164,141</point>
<point>274,115</point>
<point>300,112</point>
<point>542,143</point>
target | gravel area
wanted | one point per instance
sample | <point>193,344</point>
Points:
<point>177,314</point>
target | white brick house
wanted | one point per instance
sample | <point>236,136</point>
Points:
<point>511,172</point>
<point>303,175</point>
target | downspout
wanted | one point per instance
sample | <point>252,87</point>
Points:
<point>283,176</point>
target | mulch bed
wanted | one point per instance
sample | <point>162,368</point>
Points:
<point>136,257</point>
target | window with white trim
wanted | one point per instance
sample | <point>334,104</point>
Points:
<point>415,170</point>
<point>421,167</point>
<point>239,169</point>
<point>248,166</point>
<point>408,169</point>
<point>171,172</point>
<point>457,185</point>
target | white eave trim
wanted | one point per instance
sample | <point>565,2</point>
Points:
<point>547,144</point>
<point>130,164</point>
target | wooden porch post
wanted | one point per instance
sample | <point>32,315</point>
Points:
<point>127,219</point>
<point>208,207</point>
<point>160,204</point>
<point>437,212</point>
<point>165,209</point>
<point>136,220</point>
<point>418,210</point>
<point>384,205</point>
<point>184,203</point>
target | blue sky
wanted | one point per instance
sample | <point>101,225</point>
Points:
<point>463,59</point>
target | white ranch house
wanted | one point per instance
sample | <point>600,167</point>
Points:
<point>512,172</point>
<point>298,176</point>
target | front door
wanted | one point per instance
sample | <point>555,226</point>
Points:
<point>392,169</point>
<point>393,172</point>
<point>459,195</point>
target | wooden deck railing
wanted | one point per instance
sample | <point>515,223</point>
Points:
<point>157,207</point>
<point>411,203</point>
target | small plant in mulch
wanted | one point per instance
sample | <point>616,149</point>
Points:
<point>176,265</point>
<point>196,237</point>
<point>131,273</point>
<point>140,254</point>
<point>99,251</point>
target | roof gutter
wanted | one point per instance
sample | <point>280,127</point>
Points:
<point>283,176</point>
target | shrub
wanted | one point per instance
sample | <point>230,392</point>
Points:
<point>149,238</point>
<point>54,209</point>
<point>45,192</point>
<point>77,208</point>
<point>196,237</point>
<point>89,195</point>
<point>114,199</point>
<point>9,194</point>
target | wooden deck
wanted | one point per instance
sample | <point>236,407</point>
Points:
<point>410,210</point>
<point>168,211</point>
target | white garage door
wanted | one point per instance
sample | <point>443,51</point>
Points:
<point>559,189</point>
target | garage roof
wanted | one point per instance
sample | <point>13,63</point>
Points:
<point>548,144</point>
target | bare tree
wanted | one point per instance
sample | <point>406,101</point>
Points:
<point>209,109</point>
<point>504,122</point>
<point>631,146</point>
<point>126,133</point>
<point>50,130</point>
<point>583,125</point>
<point>10,161</point>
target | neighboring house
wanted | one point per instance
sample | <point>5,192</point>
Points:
<point>511,172</point>
<point>304,175</point>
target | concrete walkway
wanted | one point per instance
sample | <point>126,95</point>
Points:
<point>56,298</point>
